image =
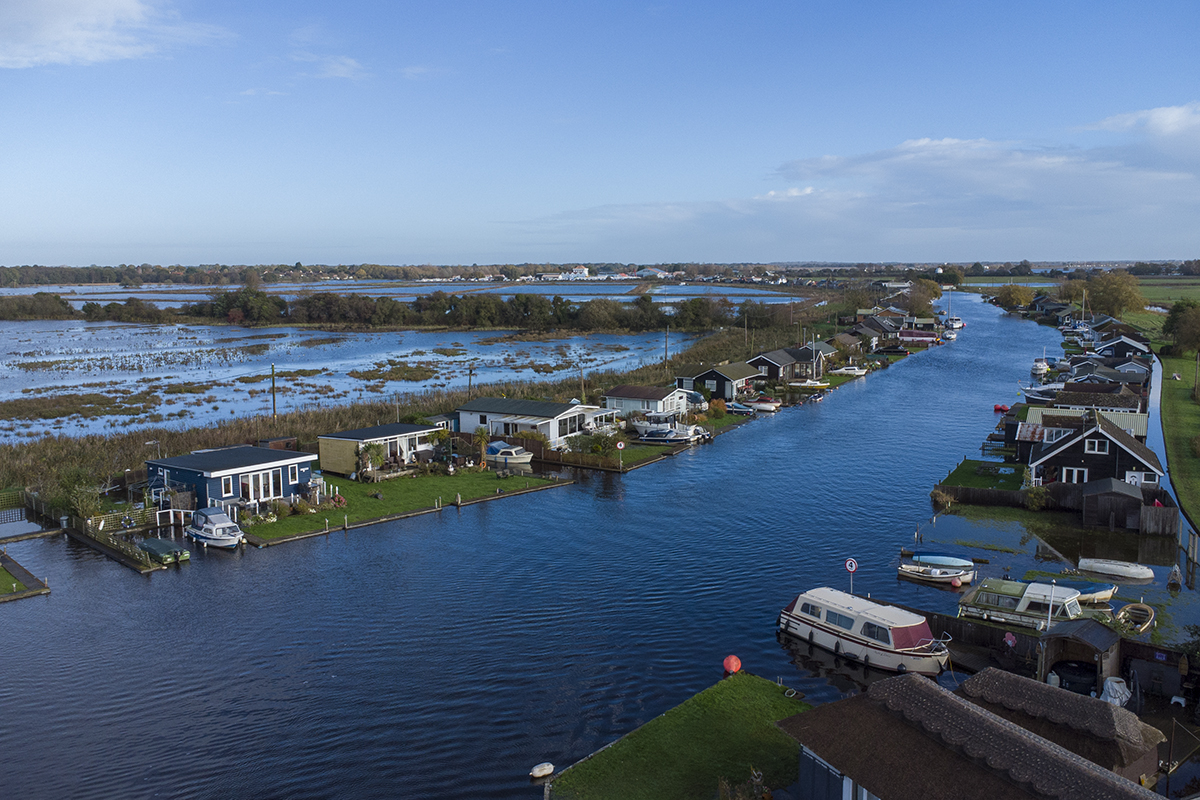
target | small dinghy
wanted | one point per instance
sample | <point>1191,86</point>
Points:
<point>1175,579</point>
<point>542,770</point>
<point>1136,617</point>
<point>940,575</point>
<point>1116,569</point>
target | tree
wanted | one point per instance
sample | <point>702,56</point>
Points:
<point>370,457</point>
<point>481,439</point>
<point>1174,316</point>
<point>1012,296</point>
<point>1186,329</point>
<point>1071,291</point>
<point>1114,293</point>
<point>921,296</point>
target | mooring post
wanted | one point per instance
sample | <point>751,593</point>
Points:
<point>327,524</point>
<point>345,522</point>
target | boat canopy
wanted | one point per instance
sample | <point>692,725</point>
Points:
<point>911,636</point>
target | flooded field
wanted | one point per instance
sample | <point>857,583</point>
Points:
<point>76,377</point>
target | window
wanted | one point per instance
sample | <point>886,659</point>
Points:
<point>1149,477</point>
<point>876,632</point>
<point>1095,446</point>
<point>293,473</point>
<point>1074,475</point>
<point>811,610</point>
<point>710,385</point>
<point>841,620</point>
<point>227,486</point>
<point>483,419</point>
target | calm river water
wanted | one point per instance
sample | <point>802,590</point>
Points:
<point>443,656</point>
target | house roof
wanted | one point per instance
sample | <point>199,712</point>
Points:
<point>1089,399</point>
<point>780,358</point>
<point>824,348</point>
<point>1086,631</point>
<point>513,407</point>
<point>737,371</point>
<point>846,339</point>
<point>381,432</point>
<point>640,392</point>
<point>1134,422</point>
<point>1104,734</point>
<point>906,738</point>
<point>691,370</point>
<point>226,459</point>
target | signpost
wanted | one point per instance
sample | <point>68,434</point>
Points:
<point>620,456</point>
<point>851,566</point>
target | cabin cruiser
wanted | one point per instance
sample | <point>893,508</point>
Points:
<point>1026,605</point>
<point>949,335</point>
<point>1041,394</point>
<point>669,437</point>
<point>764,403</point>
<point>662,425</point>
<point>503,454</point>
<point>877,635</point>
<point>857,372</point>
<point>212,527</point>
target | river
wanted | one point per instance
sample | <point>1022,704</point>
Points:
<point>442,656</point>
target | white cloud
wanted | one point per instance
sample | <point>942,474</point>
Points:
<point>924,199</point>
<point>333,66</point>
<point>1165,121</point>
<point>39,32</point>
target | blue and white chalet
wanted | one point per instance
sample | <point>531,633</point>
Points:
<point>233,476</point>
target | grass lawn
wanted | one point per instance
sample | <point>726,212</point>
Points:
<point>637,453</point>
<point>837,380</point>
<point>1181,425</point>
<point>1169,288</point>
<point>7,581</point>
<point>722,732</point>
<point>967,474</point>
<point>399,496</point>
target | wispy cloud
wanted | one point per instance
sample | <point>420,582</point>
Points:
<point>333,66</point>
<point>416,73</point>
<point>260,92</point>
<point>39,32</point>
<point>930,199</point>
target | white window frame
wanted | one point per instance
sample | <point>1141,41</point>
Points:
<point>293,474</point>
<point>227,486</point>
<point>1096,446</point>
<point>1078,474</point>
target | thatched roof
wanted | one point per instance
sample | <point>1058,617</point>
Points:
<point>906,738</point>
<point>1091,728</point>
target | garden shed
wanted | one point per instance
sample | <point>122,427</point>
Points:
<point>1112,502</point>
<point>401,442</point>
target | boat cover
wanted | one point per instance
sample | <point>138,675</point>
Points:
<point>910,636</point>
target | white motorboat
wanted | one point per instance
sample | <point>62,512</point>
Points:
<point>877,635</point>
<point>942,575</point>
<point>952,322</point>
<point>764,403</point>
<point>949,335</point>
<point>212,527</point>
<point>502,454</point>
<point>668,437</point>
<point>857,372</point>
<point>809,384</point>
<point>1042,393</point>
<point>1116,569</point>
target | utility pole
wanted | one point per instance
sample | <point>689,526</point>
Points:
<point>272,392</point>
<point>470,374</point>
<point>582,396</point>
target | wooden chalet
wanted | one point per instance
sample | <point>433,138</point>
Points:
<point>1098,449</point>
<point>725,381</point>
<point>627,399</point>
<point>777,365</point>
<point>402,442</point>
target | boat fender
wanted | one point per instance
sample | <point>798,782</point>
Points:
<point>810,636</point>
<point>837,647</point>
<point>902,669</point>
<point>866,661</point>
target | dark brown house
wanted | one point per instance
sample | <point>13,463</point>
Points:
<point>1099,449</point>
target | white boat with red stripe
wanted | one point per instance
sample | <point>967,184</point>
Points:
<point>875,634</point>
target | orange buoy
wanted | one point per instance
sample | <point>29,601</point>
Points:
<point>732,664</point>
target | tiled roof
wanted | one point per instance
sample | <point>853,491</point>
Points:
<point>779,357</point>
<point>1139,450</point>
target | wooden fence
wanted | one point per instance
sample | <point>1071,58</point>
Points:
<point>1153,520</point>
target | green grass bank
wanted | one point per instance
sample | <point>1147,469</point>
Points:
<point>722,732</point>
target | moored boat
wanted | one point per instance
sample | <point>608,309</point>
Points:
<point>732,407</point>
<point>668,437</point>
<point>1091,593</point>
<point>857,372</point>
<point>950,576</point>
<point>1027,605</point>
<point>949,335</point>
<point>877,635</point>
<point>809,384</point>
<point>502,454</point>
<point>940,560</point>
<point>164,551</point>
<point>764,403</point>
<point>1136,617</point>
<point>1116,569</point>
<point>1175,579</point>
<point>212,527</point>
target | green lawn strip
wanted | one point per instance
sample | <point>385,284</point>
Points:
<point>7,581</point>
<point>637,453</point>
<point>1181,425</point>
<point>966,475</point>
<point>400,496</point>
<point>722,732</point>
<point>1167,290</point>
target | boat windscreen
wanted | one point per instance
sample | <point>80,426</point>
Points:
<point>911,636</point>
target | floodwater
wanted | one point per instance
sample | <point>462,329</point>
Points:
<point>191,375</point>
<point>444,655</point>
<point>174,295</point>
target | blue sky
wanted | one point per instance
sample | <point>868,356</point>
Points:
<point>189,132</point>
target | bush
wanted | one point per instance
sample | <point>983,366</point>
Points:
<point>1036,497</point>
<point>280,508</point>
<point>302,507</point>
<point>716,408</point>
<point>941,500</point>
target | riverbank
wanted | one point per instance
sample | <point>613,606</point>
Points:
<point>718,737</point>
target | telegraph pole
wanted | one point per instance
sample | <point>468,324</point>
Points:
<point>272,392</point>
